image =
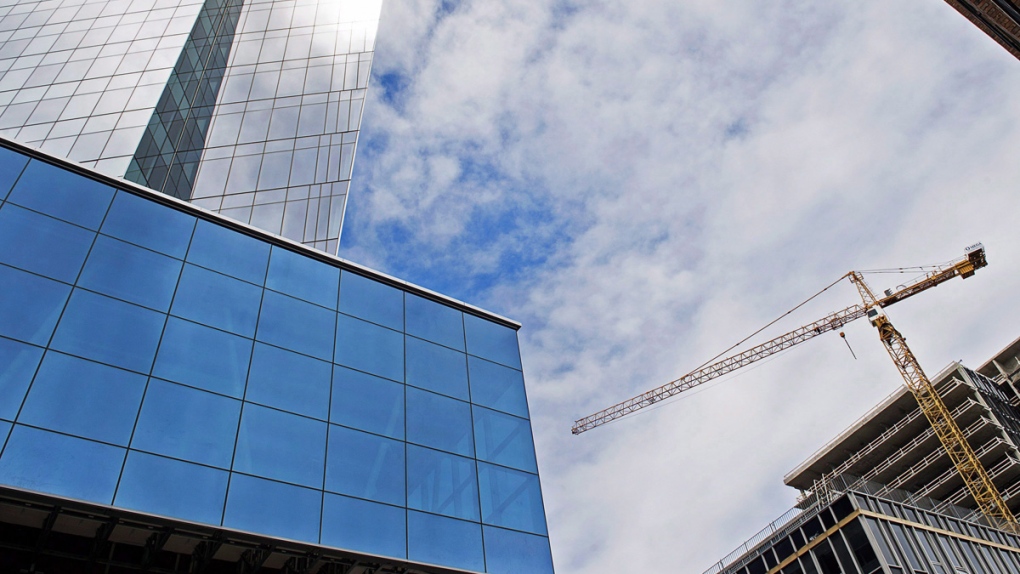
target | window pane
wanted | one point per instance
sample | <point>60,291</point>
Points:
<point>441,483</point>
<point>369,348</point>
<point>42,244</point>
<point>203,357</point>
<point>368,403</point>
<point>491,341</point>
<point>436,368</point>
<point>218,301</point>
<point>109,331</point>
<point>83,398</point>
<point>230,252</point>
<point>371,300</point>
<point>303,277</point>
<point>62,465</point>
<point>187,423</point>
<point>511,499</point>
<point>296,325</point>
<point>131,273</point>
<point>497,387</point>
<point>504,439</point>
<point>365,465</point>
<point>289,381</point>
<point>62,194</point>
<point>444,541</point>
<point>508,552</point>
<point>30,305</point>
<point>439,422</point>
<point>144,222</point>
<point>11,164</point>
<point>281,446</point>
<point>172,488</point>
<point>364,526</point>
<point>435,322</point>
<point>18,362</point>
<point>273,508</point>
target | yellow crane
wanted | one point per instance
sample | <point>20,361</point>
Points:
<point>974,475</point>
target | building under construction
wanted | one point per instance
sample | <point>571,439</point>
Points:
<point>883,496</point>
<point>1000,19</point>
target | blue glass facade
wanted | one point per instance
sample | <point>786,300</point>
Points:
<point>161,359</point>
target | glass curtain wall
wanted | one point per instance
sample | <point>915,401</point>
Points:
<point>160,360</point>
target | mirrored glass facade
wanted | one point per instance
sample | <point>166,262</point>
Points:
<point>250,108</point>
<point>157,358</point>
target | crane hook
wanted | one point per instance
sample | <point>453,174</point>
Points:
<point>843,336</point>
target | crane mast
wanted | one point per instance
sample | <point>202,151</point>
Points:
<point>973,473</point>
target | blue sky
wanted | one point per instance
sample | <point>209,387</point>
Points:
<point>642,184</point>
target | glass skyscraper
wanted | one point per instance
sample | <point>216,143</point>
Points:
<point>189,380</point>
<point>248,108</point>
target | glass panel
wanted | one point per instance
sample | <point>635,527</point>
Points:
<point>109,331</point>
<point>436,368</point>
<point>510,498</point>
<point>435,322</point>
<point>30,306</point>
<point>230,252</point>
<point>444,541</point>
<point>497,387</point>
<point>368,403</point>
<point>11,164</point>
<point>369,348</point>
<point>491,341</point>
<point>273,508</point>
<point>62,465</point>
<point>172,488</point>
<point>149,224</point>
<point>365,465</point>
<point>504,439</point>
<point>371,300</point>
<point>289,381</point>
<point>203,357</point>
<point>218,301</point>
<point>65,195</point>
<point>439,422</point>
<point>296,325</point>
<point>508,552</point>
<point>441,483</point>
<point>364,526</point>
<point>303,277</point>
<point>860,546</point>
<point>83,398</point>
<point>187,423</point>
<point>18,362</point>
<point>42,244</point>
<point>280,445</point>
<point>131,273</point>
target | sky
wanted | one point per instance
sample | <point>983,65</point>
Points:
<point>642,184</point>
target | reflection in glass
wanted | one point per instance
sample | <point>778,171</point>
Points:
<point>296,325</point>
<point>30,306</point>
<point>109,331</point>
<point>439,540</point>
<point>303,277</point>
<point>203,357</point>
<point>492,341</point>
<point>149,224</point>
<point>441,483</point>
<point>11,164</point>
<point>131,273</point>
<point>511,498</point>
<point>273,508</point>
<point>497,387</point>
<point>63,194</point>
<point>363,526</point>
<point>187,423</point>
<point>172,488</point>
<point>509,552</point>
<point>218,301</point>
<point>371,300</point>
<point>62,465</point>
<point>83,398</point>
<point>230,252</point>
<point>369,348</point>
<point>41,244</point>
<point>18,362</point>
<point>281,446</point>
<point>434,321</point>
<point>368,403</point>
<point>289,381</point>
<point>504,439</point>
<point>439,422</point>
<point>365,465</point>
<point>436,368</point>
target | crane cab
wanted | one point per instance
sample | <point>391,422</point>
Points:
<point>876,315</point>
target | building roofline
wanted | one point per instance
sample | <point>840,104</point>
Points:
<point>263,235</point>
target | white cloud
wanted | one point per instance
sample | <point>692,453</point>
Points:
<point>644,183</point>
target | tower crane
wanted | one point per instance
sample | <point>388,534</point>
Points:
<point>974,475</point>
